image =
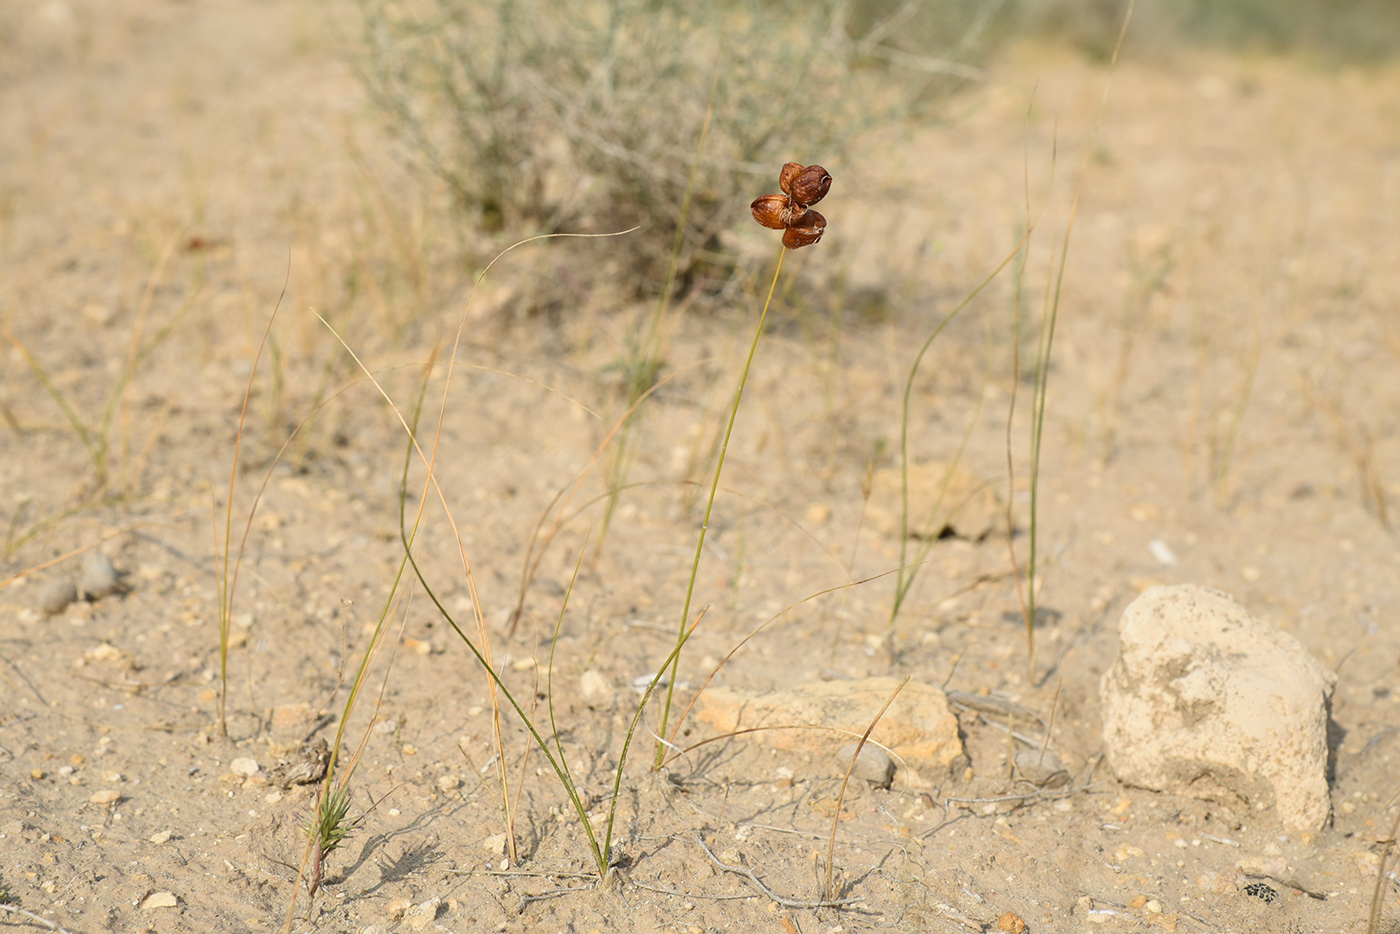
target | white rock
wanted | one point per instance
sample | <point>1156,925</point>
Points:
<point>244,765</point>
<point>594,688</point>
<point>420,916</point>
<point>160,900</point>
<point>1207,701</point>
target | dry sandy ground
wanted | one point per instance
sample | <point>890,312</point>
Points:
<point>1225,385</point>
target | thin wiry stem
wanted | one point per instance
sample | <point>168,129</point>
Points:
<point>710,505</point>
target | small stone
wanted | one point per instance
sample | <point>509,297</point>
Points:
<point>1163,552</point>
<point>421,915</point>
<point>957,500</point>
<point>106,652</point>
<point>594,688</point>
<point>448,782</point>
<point>1043,768</point>
<point>873,764</point>
<point>106,797</point>
<point>495,844</point>
<point>55,597</point>
<point>99,576</point>
<point>1010,921</point>
<point>1218,883</point>
<point>398,907</point>
<point>161,836</point>
<point>244,765</point>
<point>159,900</point>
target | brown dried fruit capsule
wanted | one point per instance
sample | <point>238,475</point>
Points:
<point>790,171</point>
<point>807,231</point>
<point>810,185</point>
<point>772,211</point>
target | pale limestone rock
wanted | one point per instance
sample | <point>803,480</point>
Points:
<point>918,728</point>
<point>956,499</point>
<point>1207,701</point>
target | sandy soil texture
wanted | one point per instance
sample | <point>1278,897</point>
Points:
<point>1223,409</point>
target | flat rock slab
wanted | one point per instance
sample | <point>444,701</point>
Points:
<point>958,502</point>
<point>1207,701</point>
<point>918,728</point>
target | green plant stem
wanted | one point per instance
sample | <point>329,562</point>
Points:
<point>901,585</point>
<point>906,574</point>
<point>710,505</point>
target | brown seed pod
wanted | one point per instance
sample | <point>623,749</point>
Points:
<point>790,171</point>
<point>772,211</point>
<point>805,232</point>
<point>810,185</point>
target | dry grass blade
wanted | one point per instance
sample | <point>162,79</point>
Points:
<point>1374,920</point>
<point>830,894</point>
<point>768,893</point>
<point>31,916</point>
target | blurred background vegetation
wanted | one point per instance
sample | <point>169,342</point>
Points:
<point>550,115</point>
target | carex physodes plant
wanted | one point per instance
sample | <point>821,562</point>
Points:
<point>791,212</point>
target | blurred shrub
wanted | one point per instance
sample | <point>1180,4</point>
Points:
<point>542,115</point>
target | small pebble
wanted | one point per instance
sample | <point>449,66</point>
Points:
<point>873,764</point>
<point>1010,921</point>
<point>160,837</point>
<point>1163,552</point>
<point>420,916</point>
<point>160,900</point>
<point>1042,768</point>
<point>56,595</point>
<point>594,687</point>
<point>99,576</point>
<point>448,782</point>
<point>106,797</point>
<point>244,765</point>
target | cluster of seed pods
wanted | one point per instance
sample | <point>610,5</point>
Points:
<point>791,212</point>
